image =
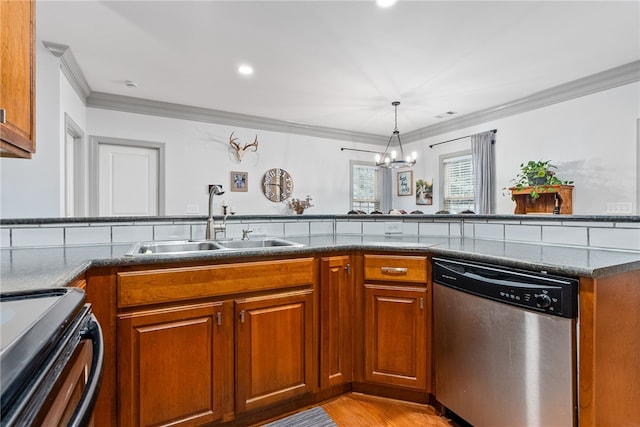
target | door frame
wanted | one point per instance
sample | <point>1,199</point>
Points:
<point>94,146</point>
<point>79,167</point>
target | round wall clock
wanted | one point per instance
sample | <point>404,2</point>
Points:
<point>277,185</point>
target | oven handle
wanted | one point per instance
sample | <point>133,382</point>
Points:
<point>82,414</point>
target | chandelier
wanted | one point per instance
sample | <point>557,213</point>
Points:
<point>391,159</point>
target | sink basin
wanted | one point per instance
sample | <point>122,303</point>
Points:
<point>267,242</point>
<point>171,248</point>
<point>189,246</point>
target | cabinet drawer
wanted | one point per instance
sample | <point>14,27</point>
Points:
<point>390,268</point>
<point>185,283</point>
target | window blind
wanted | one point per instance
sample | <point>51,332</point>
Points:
<point>365,194</point>
<point>458,183</point>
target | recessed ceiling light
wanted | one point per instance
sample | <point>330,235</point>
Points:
<point>386,3</point>
<point>130,83</point>
<point>245,70</point>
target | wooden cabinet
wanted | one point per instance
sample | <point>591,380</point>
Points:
<point>336,321</point>
<point>17,74</point>
<point>609,351</point>
<point>397,322</point>
<point>395,336</point>
<point>205,343</point>
<point>171,365</point>
<point>80,283</point>
<point>396,268</point>
<point>551,197</point>
<point>274,349</point>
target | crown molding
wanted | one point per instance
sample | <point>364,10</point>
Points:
<point>608,79</point>
<point>70,69</point>
<point>179,111</point>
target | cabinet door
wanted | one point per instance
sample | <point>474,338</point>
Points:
<point>336,321</point>
<point>274,349</point>
<point>17,74</point>
<point>396,336</point>
<point>171,365</point>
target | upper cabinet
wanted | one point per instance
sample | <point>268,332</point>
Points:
<point>17,71</point>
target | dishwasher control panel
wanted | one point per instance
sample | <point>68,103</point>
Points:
<point>549,299</point>
<point>535,291</point>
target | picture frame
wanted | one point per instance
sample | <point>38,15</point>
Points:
<point>424,192</point>
<point>404,181</point>
<point>239,181</point>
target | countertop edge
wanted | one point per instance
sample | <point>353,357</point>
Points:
<point>76,270</point>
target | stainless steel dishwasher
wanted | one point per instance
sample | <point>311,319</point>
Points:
<point>505,345</point>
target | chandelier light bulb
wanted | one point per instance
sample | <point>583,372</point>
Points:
<point>378,157</point>
<point>387,160</point>
<point>408,159</point>
<point>393,154</point>
<point>414,155</point>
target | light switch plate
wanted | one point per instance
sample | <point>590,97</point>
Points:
<point>192,209</point>
<point>393,228</point>
<point>620,208</point>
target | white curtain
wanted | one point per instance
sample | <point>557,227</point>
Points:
<point>484,167</point>
<point>386,196</point>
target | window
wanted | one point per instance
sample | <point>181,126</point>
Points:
<point>365,188</point>
<point>457,181</point>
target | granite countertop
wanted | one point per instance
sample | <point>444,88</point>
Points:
<point>32,268</point>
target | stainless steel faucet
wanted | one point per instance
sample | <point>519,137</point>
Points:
<point>216,190</point>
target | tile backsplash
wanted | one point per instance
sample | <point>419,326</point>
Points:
<point>612,234</point>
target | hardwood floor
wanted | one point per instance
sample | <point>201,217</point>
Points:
<point>354,410</point>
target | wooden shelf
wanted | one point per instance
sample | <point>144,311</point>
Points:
<point>549,196</point>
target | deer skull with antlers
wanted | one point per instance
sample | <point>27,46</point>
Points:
<point>240,151</point>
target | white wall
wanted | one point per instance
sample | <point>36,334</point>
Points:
<point>31,188</point>
<point>592,139</point>
<point>198,154</point>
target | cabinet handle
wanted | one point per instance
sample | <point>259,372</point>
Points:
<point>242,316</point>
<point>3,116</point>
<point>219,318</point>
<point>347,268</point>
<point>394,270</point>
<point>421,303</point>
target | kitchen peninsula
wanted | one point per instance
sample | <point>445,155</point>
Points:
<point>306,286</point>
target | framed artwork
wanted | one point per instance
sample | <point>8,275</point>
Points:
<point>424,192</point>
<point>404,180</point>
<point>239,181</point>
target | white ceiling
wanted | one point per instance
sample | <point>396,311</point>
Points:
<point>340,64</point>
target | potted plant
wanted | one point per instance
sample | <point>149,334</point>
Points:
<point>539,175</point>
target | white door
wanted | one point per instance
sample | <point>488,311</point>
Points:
<point>127,180</point>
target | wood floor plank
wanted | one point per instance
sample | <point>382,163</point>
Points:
<point>355,410</point>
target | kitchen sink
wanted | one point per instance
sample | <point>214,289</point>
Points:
<point>171,248</point>
<point>189,246</point>
<point>260,243</point>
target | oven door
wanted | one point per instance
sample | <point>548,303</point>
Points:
<point>73,396</point>
<point>63,392</point>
